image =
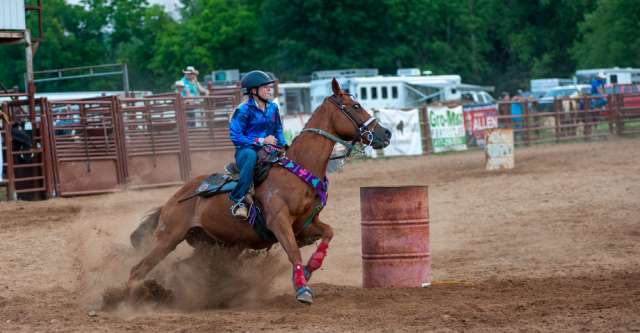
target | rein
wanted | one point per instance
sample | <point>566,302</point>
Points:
<point>363,130</point>
<point>350,145</point>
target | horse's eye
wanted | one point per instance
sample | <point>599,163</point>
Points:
<point>356,106</point>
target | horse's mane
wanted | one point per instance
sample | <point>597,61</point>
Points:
<point>310,118</point>
<point>318,109</point>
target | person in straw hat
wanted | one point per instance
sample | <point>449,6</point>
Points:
<point>192,87</point>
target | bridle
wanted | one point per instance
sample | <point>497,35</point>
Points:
<point>362,127</point>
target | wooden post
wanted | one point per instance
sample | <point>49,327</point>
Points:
<point>557,107</point>
<point>619,115</point>
<point>610,116</point>
<point>526,124</point>
<point>183,134</point>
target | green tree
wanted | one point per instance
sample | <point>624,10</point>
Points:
<point>608,37</point>
<point>302,36</point>
<point>441,36</point>
<point>530,39</point>
<point>489,42</point>
<point>137,45</point>
<point>220,34</point>
<point>71,37</point>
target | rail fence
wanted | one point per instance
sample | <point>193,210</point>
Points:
<point>101,145</point>
<point>569,119</point>
<point>66,148</point>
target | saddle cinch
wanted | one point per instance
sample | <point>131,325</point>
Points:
<point>219,183</point>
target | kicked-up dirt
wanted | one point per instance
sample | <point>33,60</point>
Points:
<point>552,245</point>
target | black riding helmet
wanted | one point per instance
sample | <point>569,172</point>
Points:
<point>254,79</point>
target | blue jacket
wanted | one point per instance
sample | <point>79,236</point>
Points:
<point>248,124</point>
<point>595,84</point>
<point>190,87</point>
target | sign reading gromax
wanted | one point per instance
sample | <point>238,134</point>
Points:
<point>446,126</point>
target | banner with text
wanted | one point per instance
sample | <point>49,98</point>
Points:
<point>479,118</point>
<point>446,128</point>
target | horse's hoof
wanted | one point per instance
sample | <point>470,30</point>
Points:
<point>304,295</point>
<point>150,291</point>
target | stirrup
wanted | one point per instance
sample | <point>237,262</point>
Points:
<point>232,170</point>
<point>240,210</point>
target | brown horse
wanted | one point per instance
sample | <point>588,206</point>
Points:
<point>286,199</point>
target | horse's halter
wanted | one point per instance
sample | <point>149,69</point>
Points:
<point>363,127</point>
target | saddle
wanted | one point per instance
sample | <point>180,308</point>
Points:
<point>225,182</point>
<point>266,157</point>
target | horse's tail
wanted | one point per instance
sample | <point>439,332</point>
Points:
<point>146,228</point>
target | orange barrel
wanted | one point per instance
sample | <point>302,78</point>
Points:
<point>395,236</point>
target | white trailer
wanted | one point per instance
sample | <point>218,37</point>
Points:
<point>394,92</point>
<point>613,76</point>
<point>544,85</point>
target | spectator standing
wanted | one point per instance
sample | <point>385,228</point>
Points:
<point>192,88</point>
<point>597,84</point>
<point>517,109</point>
<point>598,99</point>
<point>180,87</point>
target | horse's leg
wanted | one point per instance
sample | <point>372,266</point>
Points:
<point>166,240</point>
<point>280,223</point>
<point>317,230</point>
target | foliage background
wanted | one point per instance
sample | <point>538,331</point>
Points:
<point>503,43</point>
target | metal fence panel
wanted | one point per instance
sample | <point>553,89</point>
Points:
<point>86,151</point>
<point>31,161</point>
<point>207,132</point>
<point>153,144</point>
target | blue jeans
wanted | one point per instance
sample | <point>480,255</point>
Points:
<point>246,160</point>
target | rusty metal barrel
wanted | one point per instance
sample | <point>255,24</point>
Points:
<point>395,237</point>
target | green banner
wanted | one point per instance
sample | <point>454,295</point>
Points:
<point>446,127</point>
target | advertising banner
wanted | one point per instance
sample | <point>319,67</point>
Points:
<point>480,118</point>
<point>446,128</point>
<point>405,131</point>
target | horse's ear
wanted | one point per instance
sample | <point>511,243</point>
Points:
<point>336,87</point>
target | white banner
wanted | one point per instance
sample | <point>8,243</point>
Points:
<point>405,131</point>
<point>447,128</point>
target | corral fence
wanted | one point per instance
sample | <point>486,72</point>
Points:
<point>75,147</point>
<point>26,146</point>
<point>102,145</point>
<point>87,151</point>
<point>582,118</point>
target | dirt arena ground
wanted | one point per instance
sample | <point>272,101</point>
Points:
<point>553,245</point>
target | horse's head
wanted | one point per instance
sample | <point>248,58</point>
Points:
<point>352,122</point>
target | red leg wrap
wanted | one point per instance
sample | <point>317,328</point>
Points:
<point>298,276</point>
<point>317,257</point>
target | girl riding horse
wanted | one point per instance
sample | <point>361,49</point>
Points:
<point>254,123</point>
<point>290,196</point>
